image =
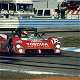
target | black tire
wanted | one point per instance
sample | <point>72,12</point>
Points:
<point>59,54</point>
<point>10,46</point>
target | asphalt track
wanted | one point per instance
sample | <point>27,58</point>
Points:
<point>61,34</point>
<point>67,63</point>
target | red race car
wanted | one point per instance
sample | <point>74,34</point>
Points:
<point>27,40</point>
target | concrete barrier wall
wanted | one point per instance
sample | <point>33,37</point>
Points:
<point>9,23</point>
<point>39,23</point>
<point>50,23</point>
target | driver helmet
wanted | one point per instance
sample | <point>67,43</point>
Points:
<point>24,33</point>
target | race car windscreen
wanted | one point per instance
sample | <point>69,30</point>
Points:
<point>32,33</point>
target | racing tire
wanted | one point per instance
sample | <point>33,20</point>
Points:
<point>59,54</point>
<point>10,46</point>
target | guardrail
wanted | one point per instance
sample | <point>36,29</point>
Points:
<point>39,23</point>
<point>50,23</point>
<point>9,23</point>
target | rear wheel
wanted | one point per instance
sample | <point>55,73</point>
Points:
<point>10,46</point>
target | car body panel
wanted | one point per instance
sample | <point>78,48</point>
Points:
<point>31,42</point>
<point>3,43</point>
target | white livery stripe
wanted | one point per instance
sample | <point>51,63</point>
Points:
<point>38,72</point>
<point>77,50</point>
<point>70,49</point>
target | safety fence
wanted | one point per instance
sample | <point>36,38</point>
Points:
<point>39,23</point>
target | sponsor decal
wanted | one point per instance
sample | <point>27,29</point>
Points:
<point>24,38</point>
<point>37,44</point>
<point>36,41</point>
<point>18,41</point>
<point>55,40</point>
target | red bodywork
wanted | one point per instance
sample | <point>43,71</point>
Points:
<point>3,43</point>
<point>34,44</point>
<point>22,45</point>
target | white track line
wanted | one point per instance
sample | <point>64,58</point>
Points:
<point>70,49</point>
<point>38,72</point>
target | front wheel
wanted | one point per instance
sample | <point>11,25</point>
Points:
<point>58,53</point>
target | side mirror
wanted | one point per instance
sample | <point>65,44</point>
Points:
<point>42,34</point>
<point>7,37</point>
<point>35,34</point>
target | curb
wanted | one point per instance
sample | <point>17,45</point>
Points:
<point>70,49</point>
<point>38,72</point>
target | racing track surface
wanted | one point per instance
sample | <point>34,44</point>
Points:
<point>67,63</point>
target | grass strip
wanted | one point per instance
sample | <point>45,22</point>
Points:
<point>8,75</point>
<point>73,41</point>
